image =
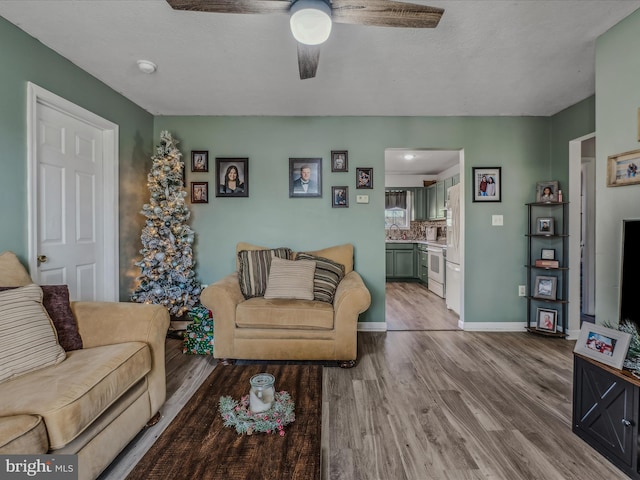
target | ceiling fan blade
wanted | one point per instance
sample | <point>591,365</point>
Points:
<point>383,13</point>
<point>232,6</point>
<point>308,58</point>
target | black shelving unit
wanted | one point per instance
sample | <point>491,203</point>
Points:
<point>558,241</point>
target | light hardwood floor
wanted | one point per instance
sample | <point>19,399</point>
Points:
<point>412,306</point>
<point>434,405</point>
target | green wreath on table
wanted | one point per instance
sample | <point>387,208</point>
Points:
<point>237,414</point>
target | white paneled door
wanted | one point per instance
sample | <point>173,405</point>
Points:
<point>70,220</point>
<point>69,193</point>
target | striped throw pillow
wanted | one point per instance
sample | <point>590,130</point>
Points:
<point>253,272</point>
<point>27,338</point>
<point>327,277</point>
<point>291,279</point>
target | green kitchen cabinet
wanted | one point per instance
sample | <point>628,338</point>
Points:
<point>440,200</point>
<point>400,260</point>
<point>431,202</point>
<point>422,259</point>
<point>420,207</point>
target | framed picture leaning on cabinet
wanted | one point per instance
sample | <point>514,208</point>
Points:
<point>603,344</point>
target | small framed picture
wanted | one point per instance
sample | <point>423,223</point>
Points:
<point>545,287</point>
<point>622,169</point>
<point>339,161</point>
<point>487,184</point>
<point>548,254</point>
<point>544,226</point>
<point>199,192</point>
<point>340,197</point>
<point>547,192</point>
<point>305,177</point>
<point>605,345</point>
<point>199,161</point>
<point>547,319</point>
<point>364,177</point>
<point>232,175</point>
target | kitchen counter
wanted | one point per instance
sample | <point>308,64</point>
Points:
<point>438,243</point>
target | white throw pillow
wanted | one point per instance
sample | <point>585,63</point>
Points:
<point>291,279</point>
<point>28,339</point>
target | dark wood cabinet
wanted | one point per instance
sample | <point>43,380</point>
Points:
<point>606,412</point>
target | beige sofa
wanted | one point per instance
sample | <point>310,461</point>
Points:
<point>98,398</point>
<point>285,329</point>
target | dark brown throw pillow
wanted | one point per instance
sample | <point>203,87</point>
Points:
<point>55,299</point>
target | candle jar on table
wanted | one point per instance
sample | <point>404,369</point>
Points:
<point>262,392</point>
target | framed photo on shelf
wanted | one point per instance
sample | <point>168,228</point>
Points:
<point>545,287</point>
<point>232,175</point>
<point>603,344</point>
<point>339,161</point>
<point>487,184</point>
<point>305,177</point>
<point>199,192</point>
<point>339,197</point>
<point>548,254</point>
<point>622,169</point>
<point>547,192</point>
<point>364,177</point>
<point>547,319</point>
<point>199,160</point>
<point>544,226</point>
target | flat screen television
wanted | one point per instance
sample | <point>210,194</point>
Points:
<point>630,275</point>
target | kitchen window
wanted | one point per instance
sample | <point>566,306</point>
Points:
<point>397,208</point>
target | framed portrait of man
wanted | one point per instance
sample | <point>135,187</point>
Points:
<point>305,177</point>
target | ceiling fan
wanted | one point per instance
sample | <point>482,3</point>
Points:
<point>311,19</point>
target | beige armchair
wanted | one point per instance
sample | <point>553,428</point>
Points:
<point>288,329</point>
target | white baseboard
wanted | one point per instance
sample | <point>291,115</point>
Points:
<point>372,326</point>
<point>495,326</point>
<point>573,334</point>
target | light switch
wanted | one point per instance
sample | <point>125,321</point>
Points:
<point>362,198</point>
<point>497,220</point>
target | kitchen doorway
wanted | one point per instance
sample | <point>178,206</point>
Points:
<point>417,182</point>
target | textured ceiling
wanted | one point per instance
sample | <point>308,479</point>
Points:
<point>487,57</point>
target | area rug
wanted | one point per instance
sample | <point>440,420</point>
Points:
<point>197,445</point>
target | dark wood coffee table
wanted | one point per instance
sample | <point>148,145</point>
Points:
<point>196,445</point>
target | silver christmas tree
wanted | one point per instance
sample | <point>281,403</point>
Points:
<point>167,277</point>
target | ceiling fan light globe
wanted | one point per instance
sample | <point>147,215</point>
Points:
<point>310,21</point>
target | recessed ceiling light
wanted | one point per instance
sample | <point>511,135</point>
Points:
<point>146,66</point>
<point>409,156</point>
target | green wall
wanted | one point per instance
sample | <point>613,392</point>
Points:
<point>571,123</point>
<point>617,102</point>
<point>24,59</point>
<point>494,255</point>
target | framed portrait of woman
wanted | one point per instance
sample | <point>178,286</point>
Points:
<point>232,177</point>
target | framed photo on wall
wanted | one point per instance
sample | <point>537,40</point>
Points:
<point>199,192</point>
<point>364,177</point>
<point>305,177</point>
<point>199,160</point>
<point>340,197</point>
<point>232,175</point>
<point>339,161</point>
<point>603,344</point>
<point>622,169</point>
<point>487,184</point>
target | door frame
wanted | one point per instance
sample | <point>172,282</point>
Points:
<point>575,186</point>
<point>110,139</point>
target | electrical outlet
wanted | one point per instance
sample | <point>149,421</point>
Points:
<point>522,290</point>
